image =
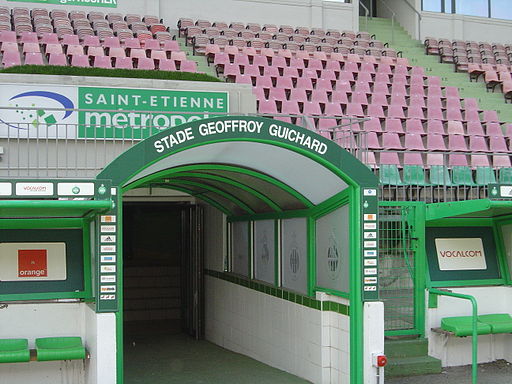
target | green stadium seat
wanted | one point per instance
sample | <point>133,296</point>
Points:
<point>389,175</point>
<point>463,326</point>
<point>485,176</point>
<point>60,348</point>
<point>14,351</point>
<point>439,176</point>
<point>505,175</point>
<point>499,323</point>
<point>462,175</point>
<point>414,175</point>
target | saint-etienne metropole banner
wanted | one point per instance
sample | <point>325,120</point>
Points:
<point>73,112</point>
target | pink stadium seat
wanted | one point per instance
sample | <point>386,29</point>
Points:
<point>362,86</point>
<point>324,83</point>
<point>375,110</point>
<point>379,98</point>
<point>435,142</point>
<point>435,113</point>
<point>497,144</point>
<point>333,109</point>
<point>396,111</point>
<point>393,125</point>
<point>339,97</point>
<point>304,83</point>
<point>457,143</point>
<point>70,40</point>
<point>435,126</point>
<point>170,45</point>
<point>111,42</point>
<point>29,37</point>
<point>413,142</point>
<point>457,160</point>
<point>11,58</point>
<point>493,129</point>
<point>33,58</point>
<point>117,52</point>
<point>389,158</point>
<point>382,88</point>
<point>144,63</point>
<point>276,93</point>
<point>501,161</point>
<point>471,115</point>
<point>455,128</point>
<point>412,158</point>
<point>31,47</point>
<point>102,62</point>
<point>123,62</point>
<point>479,160</point>
<point>354,109</point>
<point>138,53</point>
<point>372,125</point>
<point>414,126</point>
<point>359,97</point>
<point>290,107</point>
<point>434,159</point>
<point>391,140</point>
<point>453,113</point>
<point>80,61</point>
<point>298,94</point>
<point>74,49</point>
<point>262,81</point>
<point>319,96</point>
<point>57,59</point>
<point>8,37</point>
<point>188,66</point>
<point>474,128</point>
<point>166,65</point>
<point>311,108</point>
<point>415,112</point>
<point>478,144</point>
<point>372,140</point>
<point>490,117</point>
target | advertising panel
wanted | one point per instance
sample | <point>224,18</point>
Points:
<point>70,112</point>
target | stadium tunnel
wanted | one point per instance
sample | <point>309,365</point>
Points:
<point>280,252</point>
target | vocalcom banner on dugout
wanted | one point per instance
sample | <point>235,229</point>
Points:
<point>46,111</point>
<point>89,3</point>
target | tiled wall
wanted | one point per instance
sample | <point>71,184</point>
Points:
<point>301,335</point>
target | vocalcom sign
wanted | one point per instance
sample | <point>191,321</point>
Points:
<point>90,112</point>
<point>89,3</point>
<point>460,254</point>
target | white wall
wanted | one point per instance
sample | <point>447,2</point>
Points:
<point>455,351</point>
<point>306,342</point>
<point>373,318</point>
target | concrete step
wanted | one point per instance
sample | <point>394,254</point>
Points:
<point>152,303</point>
<point>406,348</point>
<point>158,314</point>
<point>155,270</point>
<point>149,292</point>
<point>412,366</point>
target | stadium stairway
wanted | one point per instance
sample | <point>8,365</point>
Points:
<point>409,357</point>
<point>414,50</point>
<point>202,65</point>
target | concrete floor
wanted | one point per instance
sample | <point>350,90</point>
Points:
<point>177,358</point>
<point>499,372</point>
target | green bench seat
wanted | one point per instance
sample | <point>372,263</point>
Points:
<point>14,351</point>
<point>486,324</point>
<point>463,326</point>
<point>500,322</point>
<point>60,348</point>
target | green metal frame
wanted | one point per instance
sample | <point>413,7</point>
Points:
<point>500,254</point>
<point>416,220</point>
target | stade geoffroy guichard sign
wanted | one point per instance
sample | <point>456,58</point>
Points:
<point>259,128</point>
<point>49,111</point>
<point>88,3</point>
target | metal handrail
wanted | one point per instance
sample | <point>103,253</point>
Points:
<point>474,319</point>
<point>419,17</point>
<point>393,18</point>
<point>367,12</point>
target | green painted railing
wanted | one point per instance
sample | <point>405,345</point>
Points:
<point>474,318</point>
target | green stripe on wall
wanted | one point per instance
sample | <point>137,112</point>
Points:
<point>281,293</point>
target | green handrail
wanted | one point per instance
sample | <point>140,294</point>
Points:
<point>474,318</point>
